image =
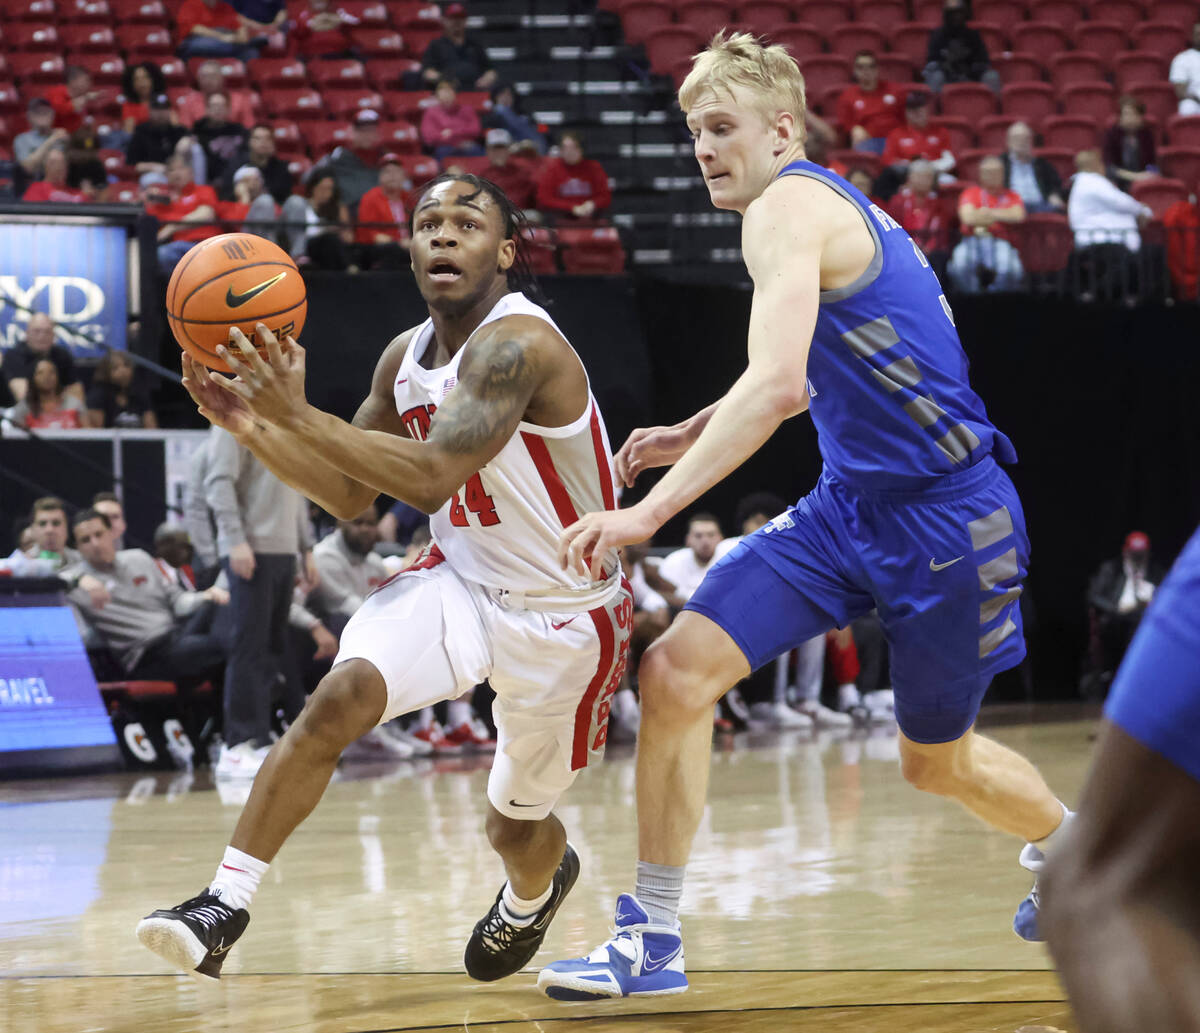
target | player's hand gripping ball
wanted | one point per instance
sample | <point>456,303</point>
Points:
<point>236,279</point>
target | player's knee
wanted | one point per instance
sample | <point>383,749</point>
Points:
<point>346,704</point>
<point>929,773</point>
<point>668,687</point>
<point>508,835</point>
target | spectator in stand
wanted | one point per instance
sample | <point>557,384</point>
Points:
<point>685,568</point>
<point>1129,154</point>
<point>400,524</point>
<point>505,113</point>
<point>349,567</point>
<point>1185,75</point>
<point>140,84</point>
<point>211,28</point>
<point>53,186</point>
<point>915,139</point>
<point>318,227</point>
<point>262,18</point>
<point>448,127</point>
<point>48,554</point>
<point>321,31</point>
<point>572,185</point>
<point>1098,211</point>
<point>259,152</point>
<point>39,344</point>
<point>923,215</point>
<point>193,105</point>
<point>31,147</point>
<point>1035,180</point>
<point>251,204</point>
<point>155,140</point>
<point>870,109</point>
<point>513,177</point>
<point>46,406</point>
<point>985,258</point>
<point>383,230</point>
<point>220,137</point>
<point>106,502</point>
<point>455,56</point>
<point>186,212</point>
<point>173,555</point>
<point>861,178</point>
<point>115,398</point>
<point>957,52</point>
<point>356,165</point>
<point>74,102</point>
<point>1182,223</point>
<point>1118,594</point>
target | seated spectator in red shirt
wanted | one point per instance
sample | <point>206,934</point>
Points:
<point>186,212</point>
<point>53,186</point>
<point>870,109</point>
<point>915,139</point>
<point>984,259</point>
<point>383,230</point>
<point>211,28</point>
<point>510,175</point>
<point>193,105</point>
<point>46,405</point>
<point>449,127</point>
<point>74,101</point>
<point>572,185</point>
<point>923,215</point>
<point>139,85</point>
<point>323,32</point>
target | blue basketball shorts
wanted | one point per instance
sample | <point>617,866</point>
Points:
<point>943,568</point>
<point>1156,694</point>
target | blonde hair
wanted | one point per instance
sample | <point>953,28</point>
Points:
<point>769,73</point>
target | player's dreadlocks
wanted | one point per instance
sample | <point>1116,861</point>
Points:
<point>520,274</point>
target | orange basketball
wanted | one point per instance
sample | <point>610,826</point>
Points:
<point>236,279</point>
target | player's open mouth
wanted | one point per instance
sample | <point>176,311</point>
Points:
<point>442,270</point>
<point>718,177</point>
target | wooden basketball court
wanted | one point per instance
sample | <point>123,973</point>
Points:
<point>823,894</point>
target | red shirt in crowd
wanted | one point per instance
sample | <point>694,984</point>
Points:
<point>977,197</point>
<point>377,207</point>
<point>909,143</point>
<point>136,110</point>
<point>194,196</point>
<point>65,115</point>
<point>310,43</point>
<point>516,180</point>
<point>450,126</point>
<point>53,419</point>
<point>926,219</point>
<point>196,12</point>
<point>43,191</point>
<point>561,186</point>
<point>878,111</point>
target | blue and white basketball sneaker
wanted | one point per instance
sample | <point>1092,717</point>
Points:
<point>641,960</point>
<point>1025,921</point>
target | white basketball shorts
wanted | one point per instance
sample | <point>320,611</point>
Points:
<point>433,636</point>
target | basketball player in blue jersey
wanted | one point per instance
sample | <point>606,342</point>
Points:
<point>1123,899</point>
<point>912,515</point>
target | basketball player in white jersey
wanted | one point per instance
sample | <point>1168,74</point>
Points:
<point>482,417</point>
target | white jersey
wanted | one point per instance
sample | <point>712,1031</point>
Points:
<point>501,528</point>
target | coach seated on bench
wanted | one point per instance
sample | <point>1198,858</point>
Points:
<point>158,631</point>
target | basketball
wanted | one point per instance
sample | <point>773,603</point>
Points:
<point>236,279</point>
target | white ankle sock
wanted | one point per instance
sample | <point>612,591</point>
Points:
<point>458,713</point>
<point>237,878</point>
<point>521,912</point>
<point>1047,843</point>
<point>658,890</point>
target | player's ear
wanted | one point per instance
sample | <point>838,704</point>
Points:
<point>785,131</point>
<point>507,255</point>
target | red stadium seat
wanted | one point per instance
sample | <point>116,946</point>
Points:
<point>960,130</point>
<point>408,104</point>
<point>849,38</point>
<point>299,166</point>
<point>802,40</point>
<point>323,137</point>
<point>706,17</point>
<point>1001,12</point>
<point>172,68</point>
<point>233,70</point>
<point>540,250</point>
<point>105,69</point>
<point>1126,13</point>
<point>883,14</point>
<point>824,14</point>
<point>1075,67</point>
<point>927,11</point>
<point>968,164</point>
<point>1075,132</point>
<point>912,40</point>
<point>43,11</point>
<point>471,164</point>
<point>1161,38</point>
<point>420,168</point>
<point>1062,158</point>
<point>1095,100</point>
<point>1182,163</point>
<point>1184,130</point>
<point>1139,66</point>
<point>1176,12</point>
<point>968,99</point>
<point>821,72</point>
<point>91,39</point>
<point>895,68</point>
<point>295,104</point>
<point>852,159</point>
<point>347,103</point>
<point>1030,102</point>
<point>415,14</point>
<point>1106,39</point>
<point>114,164</point>
<point>145,39</point>
<point>416,41</point>
<point>480,100</point>
<point>666,46</point>
<point>1041,39</point>
<point>287,134</point>
<point>765,17</point>
<point>1160,193</point>
<point>995,36</point>
<point>644,17</point>
<point>1159,98</point>
<point>32,38</point>
<point>10,99</point>
<point>7,131</point>
<point>1064,13</point>
<point>388,73</point>
<point>338,75</point>
<point>1014,67</point>
<point>36,68</point>
<point>378,43</point>
<point>595,250</point>
<point>124,193</point>
<point>284,72</point>
<point>400,136</point>
<point>149,12</point>
<point>992,132</point>
<point>1045,242</point>
<point>84,12</point>
<point>369,13</point>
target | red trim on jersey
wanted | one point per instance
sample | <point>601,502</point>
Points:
<point>430,558</point>
<point>602,462</point>
<point>540,454</point>
<point>583,713</point>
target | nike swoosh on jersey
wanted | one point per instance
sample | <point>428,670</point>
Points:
<point>513,803</point>
<point>559,627</point>
<point>652,964</point>
<point>935,567</point>
<point>402,380</point>
<point>236,300</point>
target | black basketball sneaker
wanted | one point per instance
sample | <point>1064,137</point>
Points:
<point>498,949</point>
<point>194,936</point>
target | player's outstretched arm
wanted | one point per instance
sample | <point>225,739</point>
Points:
<point>648,447</point>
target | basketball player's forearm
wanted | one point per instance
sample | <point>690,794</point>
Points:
<point>309,473</point>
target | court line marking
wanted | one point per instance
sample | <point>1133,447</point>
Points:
<point>7,977</point>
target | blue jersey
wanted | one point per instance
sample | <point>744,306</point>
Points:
<point>887,375</point>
